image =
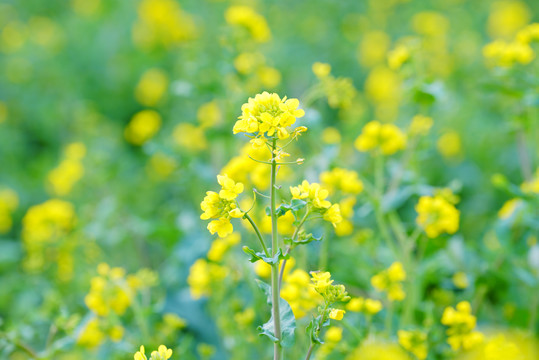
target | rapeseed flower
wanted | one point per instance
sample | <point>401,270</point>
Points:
<point>385,138</point>
<point>315,195</point>
<point>142,127</point>
<point>222,206</point>
<point>414,342</point>
<point>436,216</point>
<point>390,281</point>
<point>268,115</point>
<point>162,353</point>
<point>461,322</point>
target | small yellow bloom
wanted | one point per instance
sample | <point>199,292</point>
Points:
<point>460,280</point>
<point>390,281</point>
<point>142,127</point>
<point>436,216</point>
<point>386,138</point>
<point>372,306</point>
<point>336,314</point>
<point>414,342</point>
<point>151,87</point>
<point>321,70</point>
<point>333,334</point>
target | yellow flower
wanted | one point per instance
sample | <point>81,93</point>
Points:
<point>209,114</point>
<point>151,87</point>
<point>108,292</point>
<point>372,307</point>
<point>532,186</point>
<point>507,17</point>
<point>397,57</point>
<point>331,135</point>
<point>339,179</point>
<point>333,334</point>
<point>268,115</point>
<point>449,144</point>
<point>321,70</point>
<point>190,137</point>
<point>420,125</point>
<point>221,245</point>
<point>386,138</point>
<point>414,342</point>
<point>436,216</point>
<point>248,18</point>
<point>91,335</point>
<point>142,127</point>
<point>202,276</point>
<point>8,203</point>
<point>69,171</point>
<point>162,22</point>
<point>430,23</point>
<point>333,214</point>
<point>460,280</point>
<point>162,353</point>
<point>297,292</point>
<point>355,304</point>
<point>373,48</point>
<point>461,325</point>
<point>374,349</point>
<point>222,206</point>
<point>336,314</point>
<point>390,281</point>
<point>506,54</point>
<point>322,283</point>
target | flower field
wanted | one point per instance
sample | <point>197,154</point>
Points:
<point>221,179</point>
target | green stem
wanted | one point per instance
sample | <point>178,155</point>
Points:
<point>294,237</point>
<point>275,290</point>
<point>258,234</point>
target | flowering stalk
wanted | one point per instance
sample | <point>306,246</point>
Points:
<point>275,290</point>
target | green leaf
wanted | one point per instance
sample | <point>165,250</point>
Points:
<point>313,329</point>
<point>288,325</point>
<point>295,205</point>
<point>255,256</point>
<point>302,239</point>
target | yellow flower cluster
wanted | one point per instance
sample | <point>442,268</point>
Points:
<point>222,206</point>
<point>162,22</point>
<point>367,306</point>
<point>109,291</point>
<point>332,337</point>
<point>436,216</point>
<point>383,89</point>
<point>420,125</point>
<point>461,324</point>
<point>255,174</point>
<point>151,87</point>
<point>344,180</point>
<point>322,283</point>
<point>69,171</point>
<point>316,195</point>
<point>142,127</point>
<point>259,74</point>
<point>268,115</point>
<point>502,53</point>
<point>385,138</point>
<point>390,281</point>
<point>297,292</point>
<point>374,349</point>
<point>162,353</point>
<point>44,225</point>
<point>415,342</point>
<point>247,17</point>
<point>220,246</point>
<point>9,201</point>
<point>346,227</point>
<point>398,56</point>
<point>97,330</point>
<point>202,276</point>
<point>340,91</point>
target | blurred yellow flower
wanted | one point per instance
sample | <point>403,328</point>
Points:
<point>460,280</point>
<point>161,166</point>
<point>331,135</point>
<point>390,281</point>
<point>430,23</point>
<point>436,216</point>
<point>461,325</point>
<point>321,70</point>
<point>209,114</point>
<point>247,17</point>
<point>297,292</point>
<point>142,127</point>
<point>420,125</point>
<point>152,86</point>
<point>386,138</point>
<point>373,48</point>
<point>398,56</point>
<point>202,276</point>
<point>162,22</point>
<point>449,144</point>
<point>62,178</point>
<point>507,17</point>
<point>9,201</point>
<point>414,342</point>
<point>374,349</point>
<point>86,7</point>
